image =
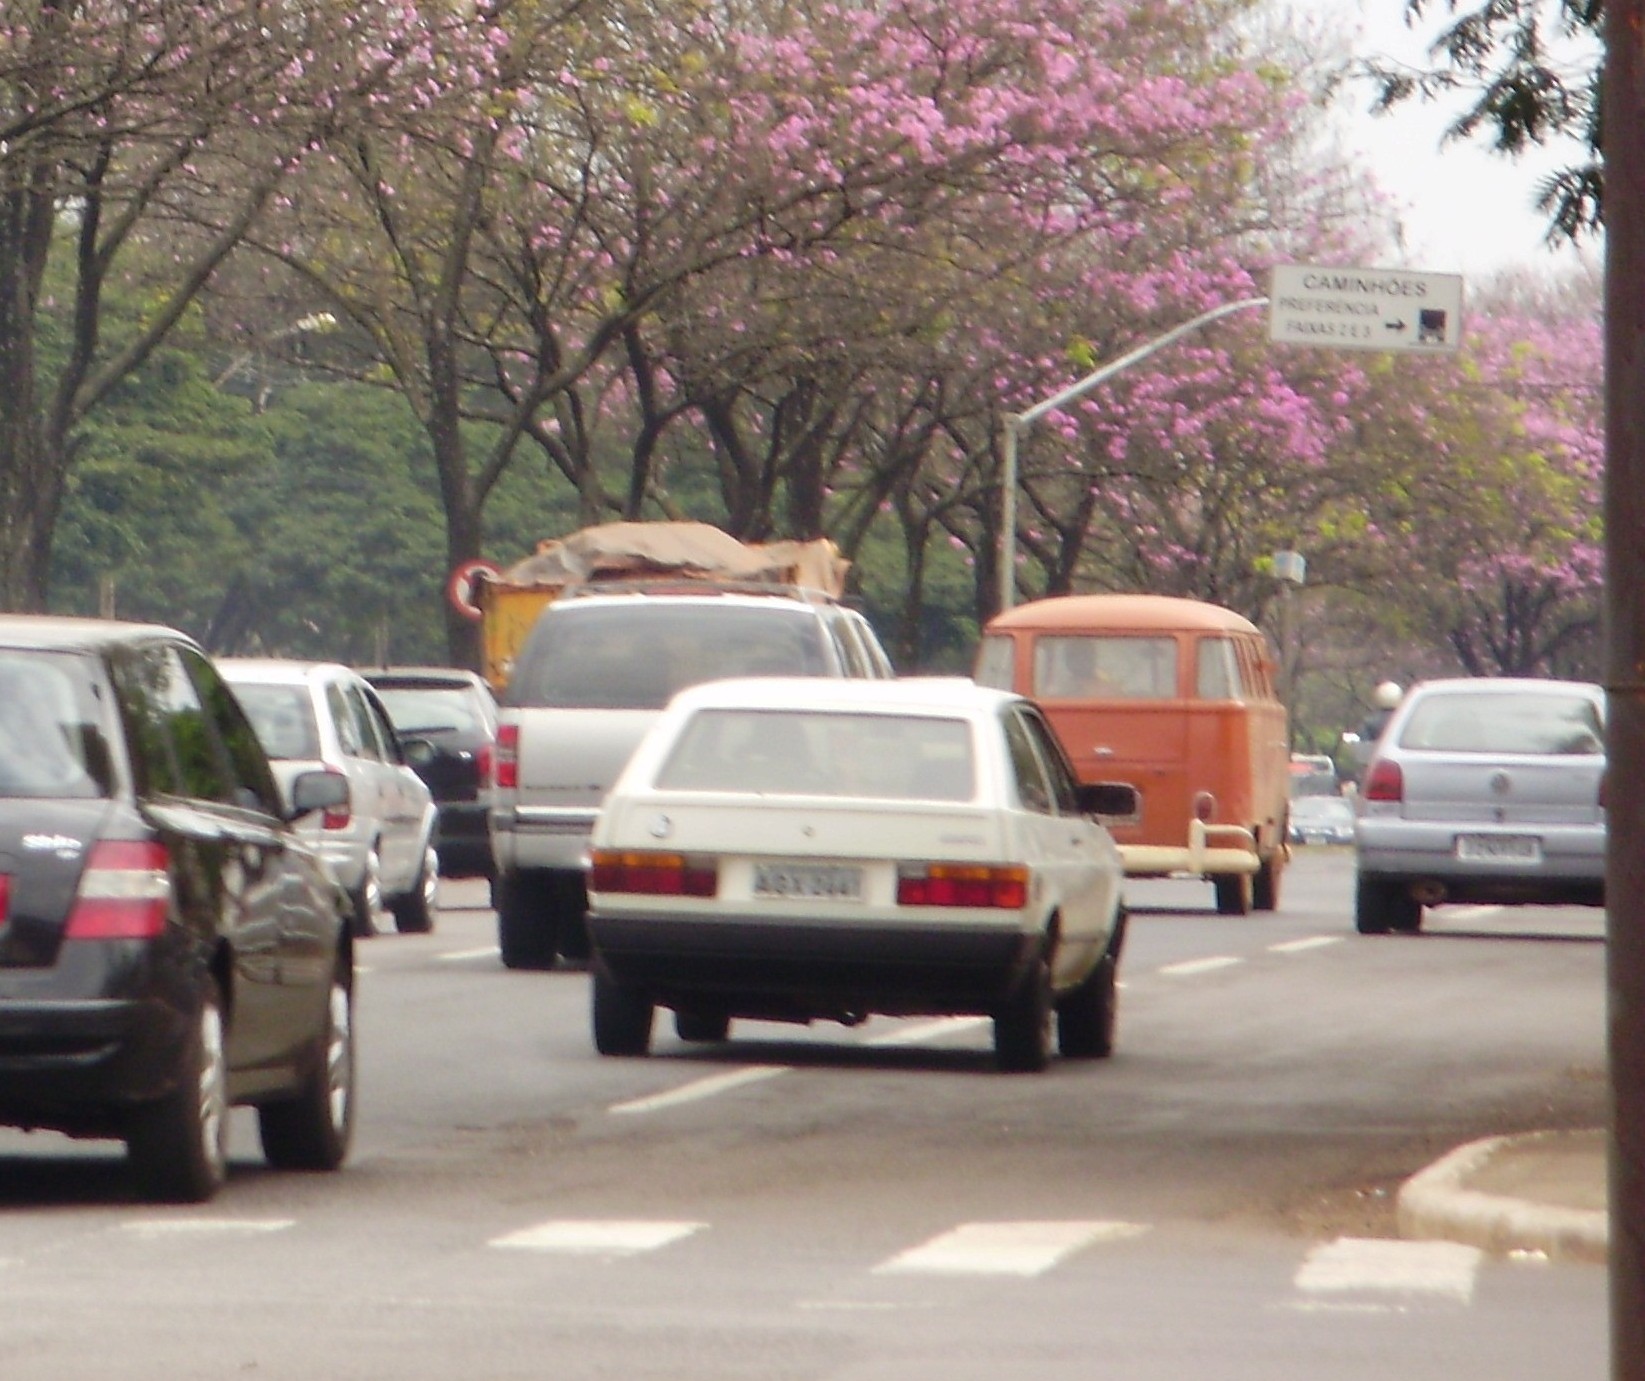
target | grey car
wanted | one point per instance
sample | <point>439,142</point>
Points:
<point>1483,790</point>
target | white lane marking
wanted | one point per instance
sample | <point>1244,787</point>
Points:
<point>753,1074</point>
<point>701,1088</point>
<point>1015,1249</point>
<point>597,1237</point>
<point>1188,968</point>
<point>202,1227</point>
<point>1353,1265</point>
<point>458,955</point>
<point>1298,946</point>
<point>928,1031</point>
<point>1466,913</point>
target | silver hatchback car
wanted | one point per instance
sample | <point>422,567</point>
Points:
<point>1483,790</point>
<point>381,844</point>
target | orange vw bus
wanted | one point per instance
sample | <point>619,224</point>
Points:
<point>1170,702</point>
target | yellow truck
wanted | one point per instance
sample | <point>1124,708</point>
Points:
<point>506,602</point>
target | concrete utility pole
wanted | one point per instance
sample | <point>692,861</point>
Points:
<point>1624,154</point>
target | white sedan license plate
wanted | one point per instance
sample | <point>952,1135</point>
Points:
<point>1499,848</point>
<point>807,882</point>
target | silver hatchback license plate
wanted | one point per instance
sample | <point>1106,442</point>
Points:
<point>807,882</point>
<point>1499,848</point>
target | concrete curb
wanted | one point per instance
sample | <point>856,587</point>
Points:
<point>1437,1203</point>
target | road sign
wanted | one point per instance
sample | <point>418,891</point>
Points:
<point>1365,309</point>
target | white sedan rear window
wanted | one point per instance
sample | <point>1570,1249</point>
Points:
<point>882,757</point>
<point>1530,722</point>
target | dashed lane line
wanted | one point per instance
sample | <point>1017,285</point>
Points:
<point>1299,946</point>
<point>1190,967</point>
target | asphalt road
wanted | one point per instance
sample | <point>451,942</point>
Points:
<point>827,1204</point>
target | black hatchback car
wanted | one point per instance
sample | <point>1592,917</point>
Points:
<point>169,944</point>
<point>448,718</point>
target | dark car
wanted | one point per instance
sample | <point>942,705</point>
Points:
<point>169,944</point>
<point>452,718</point>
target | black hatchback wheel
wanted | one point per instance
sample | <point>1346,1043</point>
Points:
<point>312,1131</point>
<point>177,1146</point>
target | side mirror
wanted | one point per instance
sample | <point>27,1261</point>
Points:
<point>1110,802</point>
<point>312,791</point>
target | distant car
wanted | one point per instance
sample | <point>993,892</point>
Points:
<point>1312,774</point>
<point>1483,790</point>
<point>1321,820</point>
<point>380,842</point>
<point>454,713</point>
<point>169,943</point>
<point>815,849</point>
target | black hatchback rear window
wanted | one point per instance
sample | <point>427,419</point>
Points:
<point>636,655</point>
<point>53,741</point>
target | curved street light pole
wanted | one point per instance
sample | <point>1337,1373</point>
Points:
<point>1018,422</point>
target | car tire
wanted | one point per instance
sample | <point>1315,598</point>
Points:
<point>622,1017</point>
<point>177,1146</point>
<point>312,1131</point>
<point>1022,1028</point>
<point>701,1026</point>
<point>367,898</point>
<point>1382,906</point>
<point>570,900</point>
<point>414,912</point>
<point>1265,886</point>
<point>527,920</point>
<point>1086,1018</point>
<point>1235,893</point>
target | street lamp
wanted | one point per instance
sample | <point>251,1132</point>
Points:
<point>1018,422</point>
<point>1290,568</point>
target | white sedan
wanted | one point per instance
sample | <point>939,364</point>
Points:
<point>804,849</point>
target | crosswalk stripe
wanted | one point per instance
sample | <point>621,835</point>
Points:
<point>1018,1249</point>
<point>598,1237</point>
<point>1352,1265</point>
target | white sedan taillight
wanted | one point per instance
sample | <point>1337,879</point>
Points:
<point>124,893</point>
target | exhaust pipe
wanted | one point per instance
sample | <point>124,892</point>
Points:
<point>1429,892</point>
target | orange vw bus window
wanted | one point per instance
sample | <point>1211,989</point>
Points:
<point>1105,668</point>
<point>1219,677</point>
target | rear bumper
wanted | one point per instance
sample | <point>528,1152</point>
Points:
<point>1572,867</point>
<point>76,1065</point>
<point>804,970</point>
<point>1210,850</point>
<point>463,837</point>
<point>528,837</point>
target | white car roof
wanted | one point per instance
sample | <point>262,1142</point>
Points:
<point>913,694</point>
<point>1492,685</point>
<point>277,671</point>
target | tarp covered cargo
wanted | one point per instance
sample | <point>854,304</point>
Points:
<point>510,600</point>
<point>693,550</point>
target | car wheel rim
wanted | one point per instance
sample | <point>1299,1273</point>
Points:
<point>340,1055</point>
<point>371,886</point>
<point>431,877</point>
<point>212,1093</point>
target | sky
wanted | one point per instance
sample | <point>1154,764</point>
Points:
<point>1464,209</point>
